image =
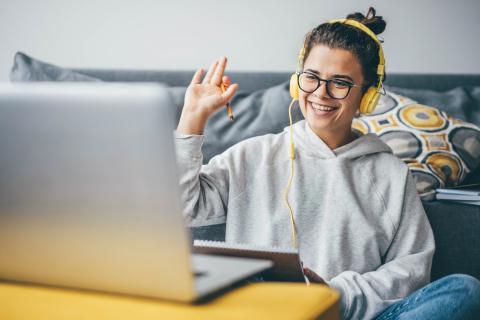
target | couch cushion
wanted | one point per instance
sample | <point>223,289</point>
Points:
<point>460,102</point>
<point>26,68</point>
<point>439,150</point>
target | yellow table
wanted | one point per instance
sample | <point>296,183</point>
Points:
<point>266,300</point>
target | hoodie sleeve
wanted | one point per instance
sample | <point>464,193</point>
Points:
<point>406,264</point>
<point>203,188</point>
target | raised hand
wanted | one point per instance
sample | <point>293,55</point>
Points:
<point>204,97</point>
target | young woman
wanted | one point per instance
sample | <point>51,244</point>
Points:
<point>359,222</point>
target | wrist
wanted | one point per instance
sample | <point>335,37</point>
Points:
<point>192,123</point>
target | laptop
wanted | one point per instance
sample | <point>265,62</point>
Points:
<point>89,194</point>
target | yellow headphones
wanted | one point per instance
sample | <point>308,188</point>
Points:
<point>371,97</point>
<point>367,105</point>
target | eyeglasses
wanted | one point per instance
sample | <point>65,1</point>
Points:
<point>336,88</point>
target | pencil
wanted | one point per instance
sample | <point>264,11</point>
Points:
<point>229,107</point>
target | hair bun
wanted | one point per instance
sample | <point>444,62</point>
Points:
<point>371,20</point>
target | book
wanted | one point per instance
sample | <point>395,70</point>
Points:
<point>453,196</point>
<point>466,194</point>
<point>287,265</point>
<point>467,190</point>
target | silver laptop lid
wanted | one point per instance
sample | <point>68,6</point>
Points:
<point>88,189</point>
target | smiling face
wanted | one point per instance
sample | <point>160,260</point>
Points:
<point>329,118</point>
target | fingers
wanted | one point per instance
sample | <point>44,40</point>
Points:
<point>218,73</point>
<point>210,72</point>
<point>228,94</point>
<point>215,73</point>
<point>226,81</point>
<point>312,276</point>
<point>197,77</point>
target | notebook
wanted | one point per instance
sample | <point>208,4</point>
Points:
<point>287,265</point>
<point>469,194</point>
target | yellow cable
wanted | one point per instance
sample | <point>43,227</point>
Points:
<point>287,189</point>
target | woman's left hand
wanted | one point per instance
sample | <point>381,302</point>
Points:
<point>313,277</point>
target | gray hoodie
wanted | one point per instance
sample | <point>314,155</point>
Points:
<point>361,225</point>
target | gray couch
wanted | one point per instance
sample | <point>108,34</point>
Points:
<point>260,107</point>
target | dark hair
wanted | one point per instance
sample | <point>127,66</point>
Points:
<point>342,36</point>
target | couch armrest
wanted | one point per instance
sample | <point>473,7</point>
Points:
<point>456,228</point>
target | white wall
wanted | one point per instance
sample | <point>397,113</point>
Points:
<point>437,36</point>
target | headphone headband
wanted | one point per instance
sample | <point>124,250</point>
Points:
<point>361,26</point>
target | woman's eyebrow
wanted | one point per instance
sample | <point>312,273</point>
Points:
<point>336,76</point>
<point>313,71</point>
<point>343,76</point>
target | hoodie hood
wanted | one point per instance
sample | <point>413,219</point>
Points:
<point>308,143</point>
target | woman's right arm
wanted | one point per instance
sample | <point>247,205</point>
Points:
<point>204,189</point>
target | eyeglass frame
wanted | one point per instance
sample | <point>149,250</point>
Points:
<point>326,81</point>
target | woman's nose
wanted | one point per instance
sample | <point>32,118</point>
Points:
<point>321,90</point>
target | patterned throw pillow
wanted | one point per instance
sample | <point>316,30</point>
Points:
<point>439,150</point>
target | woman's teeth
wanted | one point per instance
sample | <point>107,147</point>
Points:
<point>319,107</point>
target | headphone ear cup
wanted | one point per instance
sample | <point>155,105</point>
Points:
<point>369,101</point>
<point>294,90</point>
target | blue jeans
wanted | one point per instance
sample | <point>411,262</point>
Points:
<point>453,297</point>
